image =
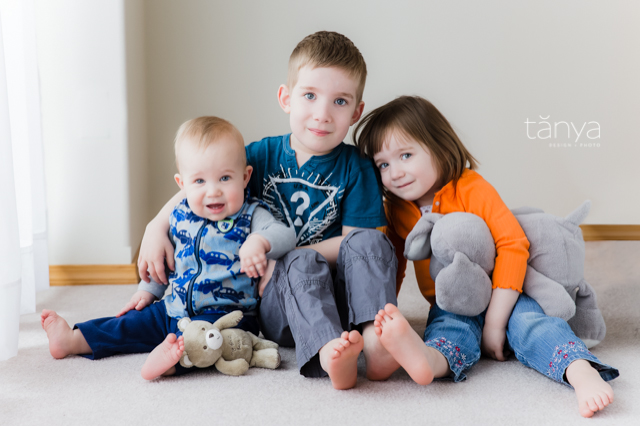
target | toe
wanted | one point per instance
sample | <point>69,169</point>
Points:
<point>391,309</point>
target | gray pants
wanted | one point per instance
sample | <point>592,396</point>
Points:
<point>306,305</point>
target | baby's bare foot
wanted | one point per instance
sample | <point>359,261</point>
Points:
<point>163,358</point>
<point>339,358</point>
<point>593,393</point>
<point>63,340</point>
<point>404,344</point>
<point>380,363</point>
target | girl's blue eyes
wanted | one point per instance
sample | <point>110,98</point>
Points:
<point>199,180</point>
<point>310,96</point>
<point>383,166</point>
<point>405,156</point>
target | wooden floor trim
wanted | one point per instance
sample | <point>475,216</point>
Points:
<point>60,275</point>
<point>611,232</point>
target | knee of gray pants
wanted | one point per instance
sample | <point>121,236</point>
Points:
<point>368,243</point>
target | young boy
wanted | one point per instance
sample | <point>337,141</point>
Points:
<point>222,239</point>
<point>323,189</point>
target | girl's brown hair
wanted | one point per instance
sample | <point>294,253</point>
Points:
<point>416,118</point>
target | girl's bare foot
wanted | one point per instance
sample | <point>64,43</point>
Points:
<point>339,358</point>
<point>408,349</point>
<point>163,358</point>
<point>380,363</point>
<point>63,340</point>
<point>592,391</point>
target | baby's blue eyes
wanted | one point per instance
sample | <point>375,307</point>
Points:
<point>225,178</point>
<point>199,181</point>
<point>310,96</point>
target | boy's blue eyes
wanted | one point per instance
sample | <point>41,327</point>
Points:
<point>339,101</point>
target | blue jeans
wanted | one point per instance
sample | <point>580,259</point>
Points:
<point>546,344</point>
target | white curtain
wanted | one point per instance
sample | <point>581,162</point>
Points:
<point>24,266</point>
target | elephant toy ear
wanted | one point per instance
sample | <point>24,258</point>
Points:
<point>418,244</point>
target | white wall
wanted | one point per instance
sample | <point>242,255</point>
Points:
<point>488,66</point>
<point>119,76</point>
<point>84,112</point>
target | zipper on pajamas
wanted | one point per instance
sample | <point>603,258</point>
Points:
<point>196,252</point>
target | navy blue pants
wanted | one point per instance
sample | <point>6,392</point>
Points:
<point>142,331</point>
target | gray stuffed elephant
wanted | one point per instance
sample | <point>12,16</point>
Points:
<point>463,252</point>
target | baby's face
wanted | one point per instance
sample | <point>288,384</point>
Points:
<point>214,178</point>
<point>407,169</point>
<point>322,106</point>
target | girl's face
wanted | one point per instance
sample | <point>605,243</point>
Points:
<point>407,169</point>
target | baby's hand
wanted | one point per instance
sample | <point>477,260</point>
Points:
<point>253,259</point>
<point>139,301</point>
<point>493,340</point>
<point>154,249</point>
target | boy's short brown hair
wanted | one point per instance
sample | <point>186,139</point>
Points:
<point>205,131</point>
<point>328,49</point>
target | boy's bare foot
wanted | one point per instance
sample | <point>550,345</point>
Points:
<point>592,391</point>
<point>404,344</point>
<point>339,358</point>
<point>163,358</point>
<point>380,363</point>
<point>63,340</point>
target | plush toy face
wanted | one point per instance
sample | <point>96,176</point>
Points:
<point>203,343</point>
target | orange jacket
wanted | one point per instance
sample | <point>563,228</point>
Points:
<point>472,194</point>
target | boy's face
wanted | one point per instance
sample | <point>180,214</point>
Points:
<point>214,178</point>
<point>322,106</point>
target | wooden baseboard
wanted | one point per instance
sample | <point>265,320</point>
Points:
<point>611,232</point>
<point>60,275</point>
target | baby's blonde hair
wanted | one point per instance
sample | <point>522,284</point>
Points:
<point>205,131</point>
<point>328,49</point>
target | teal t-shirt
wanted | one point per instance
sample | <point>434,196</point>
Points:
<point>328,192</point>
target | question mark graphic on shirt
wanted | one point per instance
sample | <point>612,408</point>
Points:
<point>302,207</point>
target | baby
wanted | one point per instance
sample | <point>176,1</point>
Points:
<point>222,238</point>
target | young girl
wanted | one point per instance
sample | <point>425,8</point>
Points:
<point>424,167</point>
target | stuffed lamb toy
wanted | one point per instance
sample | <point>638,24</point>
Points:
<point>463,252</point>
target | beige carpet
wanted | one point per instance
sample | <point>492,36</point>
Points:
<point>35,389</point>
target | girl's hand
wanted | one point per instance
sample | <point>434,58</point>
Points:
<point>253,259</point>
<point>493,340</point>
<point>154,250</point>
<point>139,301</point>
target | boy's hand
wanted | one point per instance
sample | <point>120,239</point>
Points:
<point>253,259</point>
<point>139,300</point>
<point>154,250</point>
<point>493,340</point>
